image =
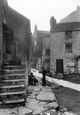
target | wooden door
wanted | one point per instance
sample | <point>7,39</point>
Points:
<point>59,65</point>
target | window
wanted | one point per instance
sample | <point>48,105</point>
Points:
<point>68,47</point>
<point>68,34</point>
<point>47,51</point>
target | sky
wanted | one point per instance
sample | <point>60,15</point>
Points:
<point>40,11</point>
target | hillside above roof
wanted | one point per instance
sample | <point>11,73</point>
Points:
<point>71,26</point>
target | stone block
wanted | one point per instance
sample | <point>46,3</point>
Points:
<point>51,105</point>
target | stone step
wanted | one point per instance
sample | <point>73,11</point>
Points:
<point>12,97</point>
<point>8,70</point>
<point>13,86</point>
<point>12,76</point>
<point>12,101</point>
<point>21,74</point>
<point>12,93</point>
<point>13,71</point>
<point>9,67</point>
<point>12,80</point>
<point>13,89</point>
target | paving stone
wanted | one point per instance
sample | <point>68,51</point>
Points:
<point>55,86</point>
<point>8,111</point>
<point>38,109</point>
<point>32,103</point>
<point>33,88</point>
<point>49,113</point>
<point>53,112</point>
<point>35,107</point>
<point>29,100</point>
<point>60,113</point>
<point>47,89</point>
<point>32,95</point>
<point>42,103</point>
<point>46,96</point>
<point>37,88</point>
<point>68,113</point>
<point>64,109</point>
<point>24,110</point>
<point>15,111</point>
<point>51,105</point>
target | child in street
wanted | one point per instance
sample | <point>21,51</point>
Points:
<point>32,80</point>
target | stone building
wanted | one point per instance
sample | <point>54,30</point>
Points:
<point>46,52</point>
<point>22,33</point>
<point>65,47</point>
<point>16,28</point>
<point>15,42</point>
<point>38,36</point>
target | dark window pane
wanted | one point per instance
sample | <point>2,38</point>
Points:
<point>68,34</point>
<point>68,47</point>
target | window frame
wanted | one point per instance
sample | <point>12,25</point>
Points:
<point>68,47</point>
<point>68,34</point>
<point>47,52</point>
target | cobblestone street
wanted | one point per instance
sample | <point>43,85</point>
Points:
<point>41,101</point>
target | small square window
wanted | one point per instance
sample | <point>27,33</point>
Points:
<point>68,47</point>
<point>68,34</point>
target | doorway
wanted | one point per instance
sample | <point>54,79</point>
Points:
<point>59,65</point>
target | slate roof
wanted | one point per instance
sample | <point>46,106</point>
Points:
<point>42,33</point>
<point>71,26</point>
<point>72,17</point>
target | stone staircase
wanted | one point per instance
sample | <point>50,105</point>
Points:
<point>13,85</point>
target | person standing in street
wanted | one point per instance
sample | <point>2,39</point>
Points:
<point>43,76</point>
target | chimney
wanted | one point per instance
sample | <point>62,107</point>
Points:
<point>52,23</point>
<point>35,28</point>
<point>78,8</point>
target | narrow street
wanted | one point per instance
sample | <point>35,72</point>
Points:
<point>67,93</point>
<point>41,34</point>
<point>64,83</point>
<point>41,101</point>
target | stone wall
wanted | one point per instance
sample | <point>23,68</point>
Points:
<point>46,53</point>
<point>57,48</point>
<point>21,28</point>
<point>2,16</point>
